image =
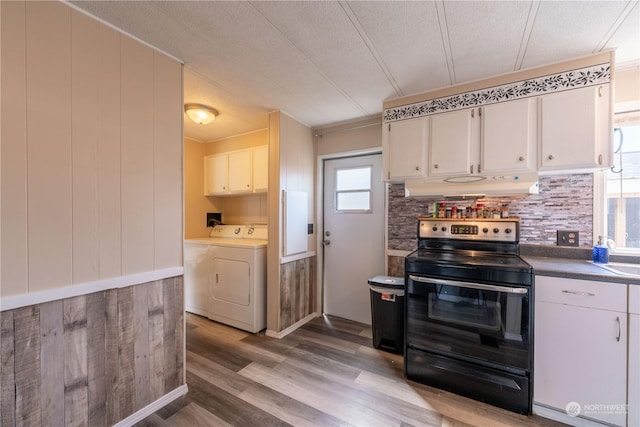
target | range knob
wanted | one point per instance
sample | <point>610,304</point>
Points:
<point>444,229</point>
<point>496,230</point>
<point>485,230</point>
<point>434,228</point>
<point>507,230</point>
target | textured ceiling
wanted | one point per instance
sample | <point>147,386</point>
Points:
<point>327,62</point>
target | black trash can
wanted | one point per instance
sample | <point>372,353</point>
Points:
<point>387,312</point>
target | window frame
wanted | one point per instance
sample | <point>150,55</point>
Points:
<point>369,190</point>
<point>600,193</point>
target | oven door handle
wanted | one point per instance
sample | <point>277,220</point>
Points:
<point>484,287</point>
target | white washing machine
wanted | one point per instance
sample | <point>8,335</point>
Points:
<point>226,276</point>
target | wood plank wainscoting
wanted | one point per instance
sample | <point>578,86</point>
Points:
<point>325,373</point>
<point>93,359</point>
<point>297,291</point>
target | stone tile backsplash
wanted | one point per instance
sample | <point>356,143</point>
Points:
<point>565,202</point>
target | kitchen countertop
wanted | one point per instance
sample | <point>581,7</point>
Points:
<point>573,263</point>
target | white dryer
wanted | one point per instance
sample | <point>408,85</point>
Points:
<point>236,265</point>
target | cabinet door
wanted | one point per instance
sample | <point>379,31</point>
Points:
<point>634,355</point>
<point>404,145</point>
<point>575,129</point>
<point>450,143</point>
<point>509,137</point>
<point>260,169</point>
<point>240,171</point>
<point>580,356</point>
<point>216,174</point>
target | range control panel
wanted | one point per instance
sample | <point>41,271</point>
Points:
<point>469,229</point>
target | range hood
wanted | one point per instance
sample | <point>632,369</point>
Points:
<point>473,186</point>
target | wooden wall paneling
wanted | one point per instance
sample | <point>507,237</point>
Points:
<point>167,158</point>
<point>141,346</point>
<point>7,367</point>
<point>112,357</point>
<point>48,71</point>
<point>51,358</point>
<point>156,339</point>
<point>108,130</point>
<point>27,366</point>
<point>126,368</point>
<point>179,325</point>
<point>84,146</point>
<point>76,391</point>
<point>96,362</point>
<point>13,150</point>
<point>137,157</point>
<point>169,321</point>
<point>286,284</point>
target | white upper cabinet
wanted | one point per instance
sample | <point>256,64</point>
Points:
<point>453,143</point>
<point>575,129</point>
<point>240,171</point>
<point>261,168</point>
<point>404,147</point>
<point>216,180</point>
<point>509,137</point>
<point>236,172</point>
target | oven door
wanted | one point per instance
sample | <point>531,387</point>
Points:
<point>472,322</point>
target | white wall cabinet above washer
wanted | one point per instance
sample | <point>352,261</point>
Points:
<point>236,172</point>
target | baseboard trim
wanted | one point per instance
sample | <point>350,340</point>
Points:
<point>283,333</point>
<point>153,407</point>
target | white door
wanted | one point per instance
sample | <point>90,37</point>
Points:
<point>353,234</point>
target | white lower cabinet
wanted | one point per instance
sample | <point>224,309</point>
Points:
<point>580,348</point>
<point>634,355</point>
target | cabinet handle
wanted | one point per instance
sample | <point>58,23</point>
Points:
<point>417,168</point>
<point>216,278</point>
<point>600,159</point>
<point>521,159</point>
<point>388,174</point>
<point>619,330</point>
<point>436,166</point>
<point>478,167</point>
<point>584,294</point>
<point>248,185</point>
<point>550,157</point>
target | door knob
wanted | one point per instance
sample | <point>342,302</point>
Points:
<point>326,242</point>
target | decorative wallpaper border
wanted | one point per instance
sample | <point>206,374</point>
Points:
<point>582,77</point>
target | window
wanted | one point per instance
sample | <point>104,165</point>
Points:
<point>623,184</point>
<point>353,190</point>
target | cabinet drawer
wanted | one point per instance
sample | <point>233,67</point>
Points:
<point>582,293</point>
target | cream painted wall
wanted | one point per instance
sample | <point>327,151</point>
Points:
<point>91,166</point>
<point>238,142</point>
<point>196,205</point>
<point>356,138</point>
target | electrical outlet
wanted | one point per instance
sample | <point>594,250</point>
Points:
<point>568,238</point>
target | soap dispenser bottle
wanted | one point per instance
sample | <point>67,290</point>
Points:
<point>601,251</point>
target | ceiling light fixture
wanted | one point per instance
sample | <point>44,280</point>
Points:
<point>200,114</point>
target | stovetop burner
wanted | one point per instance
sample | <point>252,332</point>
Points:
<point>470,249</point>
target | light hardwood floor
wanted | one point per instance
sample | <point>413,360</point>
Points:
<point>324,374</point>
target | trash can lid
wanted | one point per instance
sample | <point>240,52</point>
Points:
<point>388,281</point>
